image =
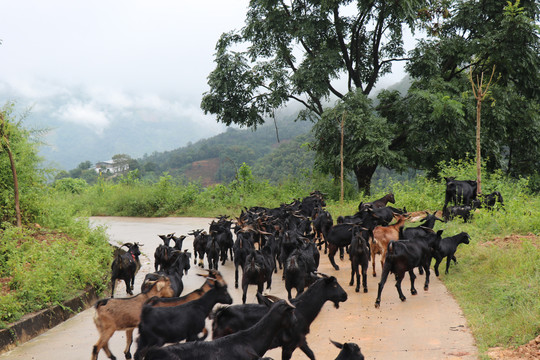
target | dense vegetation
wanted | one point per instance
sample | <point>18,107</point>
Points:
<point>54,254</point>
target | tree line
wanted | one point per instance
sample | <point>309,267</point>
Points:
<point>300,51</point>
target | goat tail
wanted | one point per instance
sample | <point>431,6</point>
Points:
<point>101,302</point>
<point>204,335</point>
<point>391,247</point>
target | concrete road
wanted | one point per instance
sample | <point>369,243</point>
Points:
<point>429,325</point>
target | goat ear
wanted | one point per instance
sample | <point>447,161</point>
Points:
<point>336,344</point>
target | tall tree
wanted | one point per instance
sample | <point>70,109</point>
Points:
<point>306,52</point>
<point>21,173</point>
<point>5,145</point>
<point>479,35</point>
<point>367,140</point>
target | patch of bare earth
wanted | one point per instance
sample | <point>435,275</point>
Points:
<point>204,170</point>
<point>513,240</point>
<point>529,351</point>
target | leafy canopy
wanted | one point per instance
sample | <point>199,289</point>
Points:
<point>306,52</point>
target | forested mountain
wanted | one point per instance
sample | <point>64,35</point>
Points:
<point>232,148</point>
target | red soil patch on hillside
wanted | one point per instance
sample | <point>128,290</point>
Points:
<point>203,171</point>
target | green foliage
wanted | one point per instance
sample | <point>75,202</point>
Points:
<point>367,138</point>
<point>75,186</point>
<point>31,178</point>
<point>46,268</point>
<point>248,85</point>
<point>475,37</point>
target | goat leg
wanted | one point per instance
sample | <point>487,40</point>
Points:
<point>364,277</point>
<point>436,266</point>
<point>412,276</point>
<point>384,276</point>
<point>399,278</point>
<point>426,284</point>
<point>129,341</point>
<point>332,249</point>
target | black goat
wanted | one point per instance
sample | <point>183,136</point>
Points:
<point>359,254</point>
<point>212,253</point>
<point>125,266</point>
<point>447,248</point>
<point>488,201</point>
<point>247,344</point>
<point>299,271</point>
<point>258,269</point>
<point>199,245</point>
<point>321,225</point>
<point>451,212</point>
<point>160,325</point>
<point>340,236</point>
<point>459,192</point>
<point>403,256</point>
<point>174,272</point>
<point>241,248</point>
<point>221,231</point>
<point>178,241</point>
<point>349,351</point>
<point>308,305</point>
<point>379,203</point>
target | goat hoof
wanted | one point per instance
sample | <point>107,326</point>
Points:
<point>377,304</point>
<point>426,288</point>
<point>357,290</point>
<point>414,292</point>
<point>365,290</point>
<point>128,355</point>
<point>403,298</point>
<point>336,267</point>
<point>351,283</point>
<point>374,274</point>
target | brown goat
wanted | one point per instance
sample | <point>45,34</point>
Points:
<point>212,278</point>
<point>124,314</point>
<point>382,236</point>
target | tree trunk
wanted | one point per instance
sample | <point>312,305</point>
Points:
<point>15,187</point>
<point>478,153</point>
<point>341,157</point>
<point>364,173</point>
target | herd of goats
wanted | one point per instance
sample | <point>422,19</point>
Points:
<point>289,238</point>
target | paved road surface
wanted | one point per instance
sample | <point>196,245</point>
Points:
<point>427,326</point>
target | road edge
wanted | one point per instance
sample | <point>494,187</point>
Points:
<point>39,322</point>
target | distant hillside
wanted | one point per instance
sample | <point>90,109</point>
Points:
<point>225,153</point>
<point>216,159</point>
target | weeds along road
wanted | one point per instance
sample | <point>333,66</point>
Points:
<point>429,325</point>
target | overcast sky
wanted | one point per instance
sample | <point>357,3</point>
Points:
<point>117,53</point>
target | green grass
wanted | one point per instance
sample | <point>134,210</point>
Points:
<point>40,267</point>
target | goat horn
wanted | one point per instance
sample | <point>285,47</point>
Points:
<point>289,303</point>
<point>272,298</point>
<point>320,273</point>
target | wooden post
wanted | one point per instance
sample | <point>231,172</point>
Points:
<point>479,94</point>
<point>341,155</point>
